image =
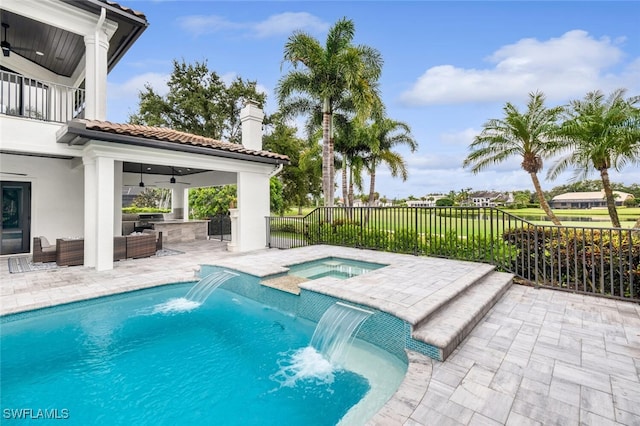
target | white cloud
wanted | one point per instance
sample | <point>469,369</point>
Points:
<point>275,25</point>
<point>206,24</point>
<point>286,23</point>
<point>563,67</point>
<point>130,88</point>
<point>461,138</point>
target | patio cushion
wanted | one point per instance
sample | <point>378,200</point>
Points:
<point>44,243</point>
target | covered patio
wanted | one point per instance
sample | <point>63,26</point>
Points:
<point>78,193</point>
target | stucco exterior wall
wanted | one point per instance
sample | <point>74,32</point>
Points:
<point>57,202</point>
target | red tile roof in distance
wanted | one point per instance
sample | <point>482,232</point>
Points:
<point>170,135</point>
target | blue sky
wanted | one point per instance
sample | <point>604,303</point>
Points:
<point>448,66</point>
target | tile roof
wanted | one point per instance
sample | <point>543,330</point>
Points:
<point>169,135</point>
<point>594,195</point>
<point>125,9</point>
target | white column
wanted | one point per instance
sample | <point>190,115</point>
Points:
<point>177,201</point>
<point>90,211</point>
<point>105,213</point>
<point>251,117</point>
<point>253,207</point>
<point>97,45</point>
<point>185,204</point>
<point>117,198</point>
<point>234,245</point>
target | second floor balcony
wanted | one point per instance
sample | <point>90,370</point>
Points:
<point>26,97</point>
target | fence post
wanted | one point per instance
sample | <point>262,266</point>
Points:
<point>268,228</point>
<point>491,252</point>
<point>415,222</point>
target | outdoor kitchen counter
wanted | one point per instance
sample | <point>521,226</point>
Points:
<point>181,231</point>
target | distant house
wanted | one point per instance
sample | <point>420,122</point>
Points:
<point>428,201</point>
<point>587,200</point>
<point>490,198</point>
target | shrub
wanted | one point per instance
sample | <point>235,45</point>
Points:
<point>591,260</point>
<point>144,210</point>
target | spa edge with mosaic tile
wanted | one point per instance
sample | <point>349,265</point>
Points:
<point>381,329</point>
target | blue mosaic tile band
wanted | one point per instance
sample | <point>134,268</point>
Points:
<point>381,329</point>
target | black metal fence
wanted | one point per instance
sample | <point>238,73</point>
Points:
<point>219,227</point>
<point>602,261</point>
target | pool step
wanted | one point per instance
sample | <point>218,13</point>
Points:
<point>438,300</point>
<point>286,283</point>
<point>447,327</point>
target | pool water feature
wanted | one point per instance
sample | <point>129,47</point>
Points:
<point>126,360</point>
<point>335,267</point>
<point>336,330</point>
<point>207,285</point>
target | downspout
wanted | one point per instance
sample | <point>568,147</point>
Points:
<point>276,170</point>
<point>96,61</point>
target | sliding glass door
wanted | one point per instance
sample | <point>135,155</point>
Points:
<point>15,233</point>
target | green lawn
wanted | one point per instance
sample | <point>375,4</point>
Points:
<point>428,221</point>
<point>624,213</point>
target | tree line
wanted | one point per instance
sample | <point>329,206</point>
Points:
<point>334,86</point>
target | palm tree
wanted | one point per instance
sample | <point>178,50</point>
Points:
<point>329,74</point>
<point>600,133</point>
<point>352,146</point>
<point>383,135</point>
<point>530,135</point>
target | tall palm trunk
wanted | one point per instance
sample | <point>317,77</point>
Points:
<point>345,188</point>
<point>327,160</point>
<point>332,171</point>
<point>350,186</point>
<point>372,186</point>
<point>543,202</point>
<point>608,193</point>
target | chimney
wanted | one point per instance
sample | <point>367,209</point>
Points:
<point>251,117</point>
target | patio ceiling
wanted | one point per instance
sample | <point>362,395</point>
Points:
<point>62,51</point>
<point>155,169</point>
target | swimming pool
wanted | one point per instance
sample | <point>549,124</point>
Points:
<point>335,267</point>
<point>147,358</point>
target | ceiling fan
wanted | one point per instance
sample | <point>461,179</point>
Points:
<point>141,184</point>
<point>7,48</point>
<point>173,178</point>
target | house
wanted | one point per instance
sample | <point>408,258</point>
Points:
<point>63,166</point>
<point>587,200</point>
<point>427,201</point>
<point>490,198</point>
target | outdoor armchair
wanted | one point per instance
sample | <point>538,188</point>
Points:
<point>43,251</point>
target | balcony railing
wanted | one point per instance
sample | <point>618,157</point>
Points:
<point>599,261</point>
<point>40,100</point>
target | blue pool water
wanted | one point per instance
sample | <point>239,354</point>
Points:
<point>152,358</point>
<point>335,267</point>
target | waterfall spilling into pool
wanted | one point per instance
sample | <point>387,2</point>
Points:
<point>196,296</point>
<point>327,351</point>
<point>203,289</point>
<point>336,329</point>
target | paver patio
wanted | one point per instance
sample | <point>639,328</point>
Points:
<point>538,357</point>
